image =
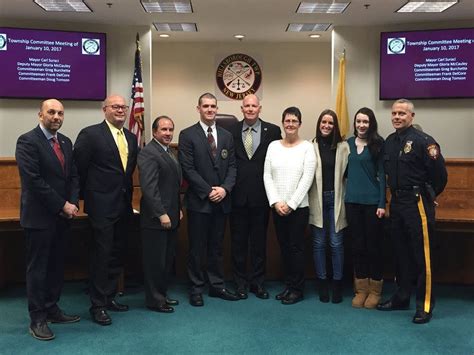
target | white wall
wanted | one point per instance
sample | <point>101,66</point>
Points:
<point>18,116</point>
<point>450,122</point>
<point>294,74</point>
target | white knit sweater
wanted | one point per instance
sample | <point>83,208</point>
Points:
<point>289,173</point>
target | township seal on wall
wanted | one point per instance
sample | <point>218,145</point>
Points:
<point>238,75</point>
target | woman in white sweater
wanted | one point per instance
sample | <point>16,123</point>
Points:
<point>326,203</point>
<point>288,174</point>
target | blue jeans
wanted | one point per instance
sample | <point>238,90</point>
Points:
<point>335,241</point>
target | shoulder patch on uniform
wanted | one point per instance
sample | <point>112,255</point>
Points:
<point>433,151</point>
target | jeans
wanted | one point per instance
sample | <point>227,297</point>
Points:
<point>335,241</point>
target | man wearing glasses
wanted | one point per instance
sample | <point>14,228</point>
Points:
<point>106,156</point>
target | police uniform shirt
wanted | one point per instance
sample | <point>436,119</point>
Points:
<point>413,158</point>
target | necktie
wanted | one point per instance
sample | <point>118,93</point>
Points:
<point>122,147</point>
<point>248,143</point>
<point>58,151</point>
<point>212,142</point>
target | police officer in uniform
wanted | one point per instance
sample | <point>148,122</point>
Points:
<point>416,175</point>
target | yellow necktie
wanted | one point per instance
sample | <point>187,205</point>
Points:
<point>122,147</point>
<point>248,143</point>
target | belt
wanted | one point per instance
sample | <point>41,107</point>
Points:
<point>409,190</point>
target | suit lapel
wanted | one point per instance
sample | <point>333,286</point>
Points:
<point>204,140</point>
<point>174,166</point>
<point>46,146</point>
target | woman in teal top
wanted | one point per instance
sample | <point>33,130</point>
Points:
<point>365,208</point>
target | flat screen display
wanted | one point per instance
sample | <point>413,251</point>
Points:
<point>52,64</point>
<point>430,64</point>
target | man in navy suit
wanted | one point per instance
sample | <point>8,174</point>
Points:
<point>49,199</point>
<point>106,156</point>
<point>160,213</point>
<point>206,154</point>
<point>250,211</point>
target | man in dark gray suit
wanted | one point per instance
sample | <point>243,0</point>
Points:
<point>160,213</point>
<point>106,156</point>
<point>250,211</point>
<point>49,199</point>
<point>206,154</point>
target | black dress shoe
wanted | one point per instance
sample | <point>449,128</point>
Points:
<point>282,294</point>
<point>242,293</point>
<point>171,302</point>
<point>100,316</point>
<point>259,291</point>
<point>223,293</point>
<point>164,308</point>
<point>421,317</point>
<point>41,331</point>
<point>117,307</point>
<point>393,306</point>
<point>292,298</point>
<point>62,318</point>
<point>196,300</point>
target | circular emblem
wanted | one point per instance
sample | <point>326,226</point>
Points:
<point>224,153</point>
<point>3,40</point>
<point>238,75</point>
<point>396,45</point>
<point>90,46</point>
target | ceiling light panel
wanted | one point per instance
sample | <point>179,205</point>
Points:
<point>178,7</point>
<point>63,5</point>
<point>307,27</point>
<point>426,6</point>
<point>175,27</point>
<point>322,7</point>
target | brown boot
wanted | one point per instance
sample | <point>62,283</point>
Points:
<point>361,288</point>
<point>375,294</point>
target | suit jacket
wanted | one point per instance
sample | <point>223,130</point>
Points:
<point>249,189</point>
<point>105,186</point>
<point>45,187</point>
<point>202,170</point>
<point>160,181</point>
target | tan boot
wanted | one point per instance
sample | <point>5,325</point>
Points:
<point>361,288</point>
<point>375,294</point>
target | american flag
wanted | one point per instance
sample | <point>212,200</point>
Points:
<point>137,108</point>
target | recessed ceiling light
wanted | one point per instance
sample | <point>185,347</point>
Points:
<point>63,5</point>
<point>164,35</point>
<point>175,27</point>
<point>427,6</point>
<point>322,7</point>
<point>307,27</point>
<point>314,35</point>
<point>170,6</point>
<point>239,36</point>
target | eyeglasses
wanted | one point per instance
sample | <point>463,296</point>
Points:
<point>291,122</point>
<point>118,107</point>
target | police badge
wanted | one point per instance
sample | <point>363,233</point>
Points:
<point>224,153</point>
<point>407,148</point>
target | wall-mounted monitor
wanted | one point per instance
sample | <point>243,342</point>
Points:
<point>432,64</point>
<point>59,64</point>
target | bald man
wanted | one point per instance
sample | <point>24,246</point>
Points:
<point>106,156</point>
<point>49,200</point>
<point>249,217</point>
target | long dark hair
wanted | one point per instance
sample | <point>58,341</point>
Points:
<point>374,141</point>
<point>336,133</point>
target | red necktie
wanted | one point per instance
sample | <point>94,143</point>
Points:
<point>58,151</point>
<point>212,142</point>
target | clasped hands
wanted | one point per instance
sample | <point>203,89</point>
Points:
<point>217,194</point>
<point>69,210</point>
<point>282,208</point>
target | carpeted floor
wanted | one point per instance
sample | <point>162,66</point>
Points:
<point>251,326</point>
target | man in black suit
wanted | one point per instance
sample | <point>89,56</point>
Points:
<point>160,213</point>
<point>250,211</point>
<point>206,154</point>
<point>106,156</point>
<point>49,199</point>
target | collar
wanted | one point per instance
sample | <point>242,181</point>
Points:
<point>165,147</point>
<point>114,129</point>
<point>205,126</point>
<point>255,127</point>
<point>47,133</point>
<point>405,132</point>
